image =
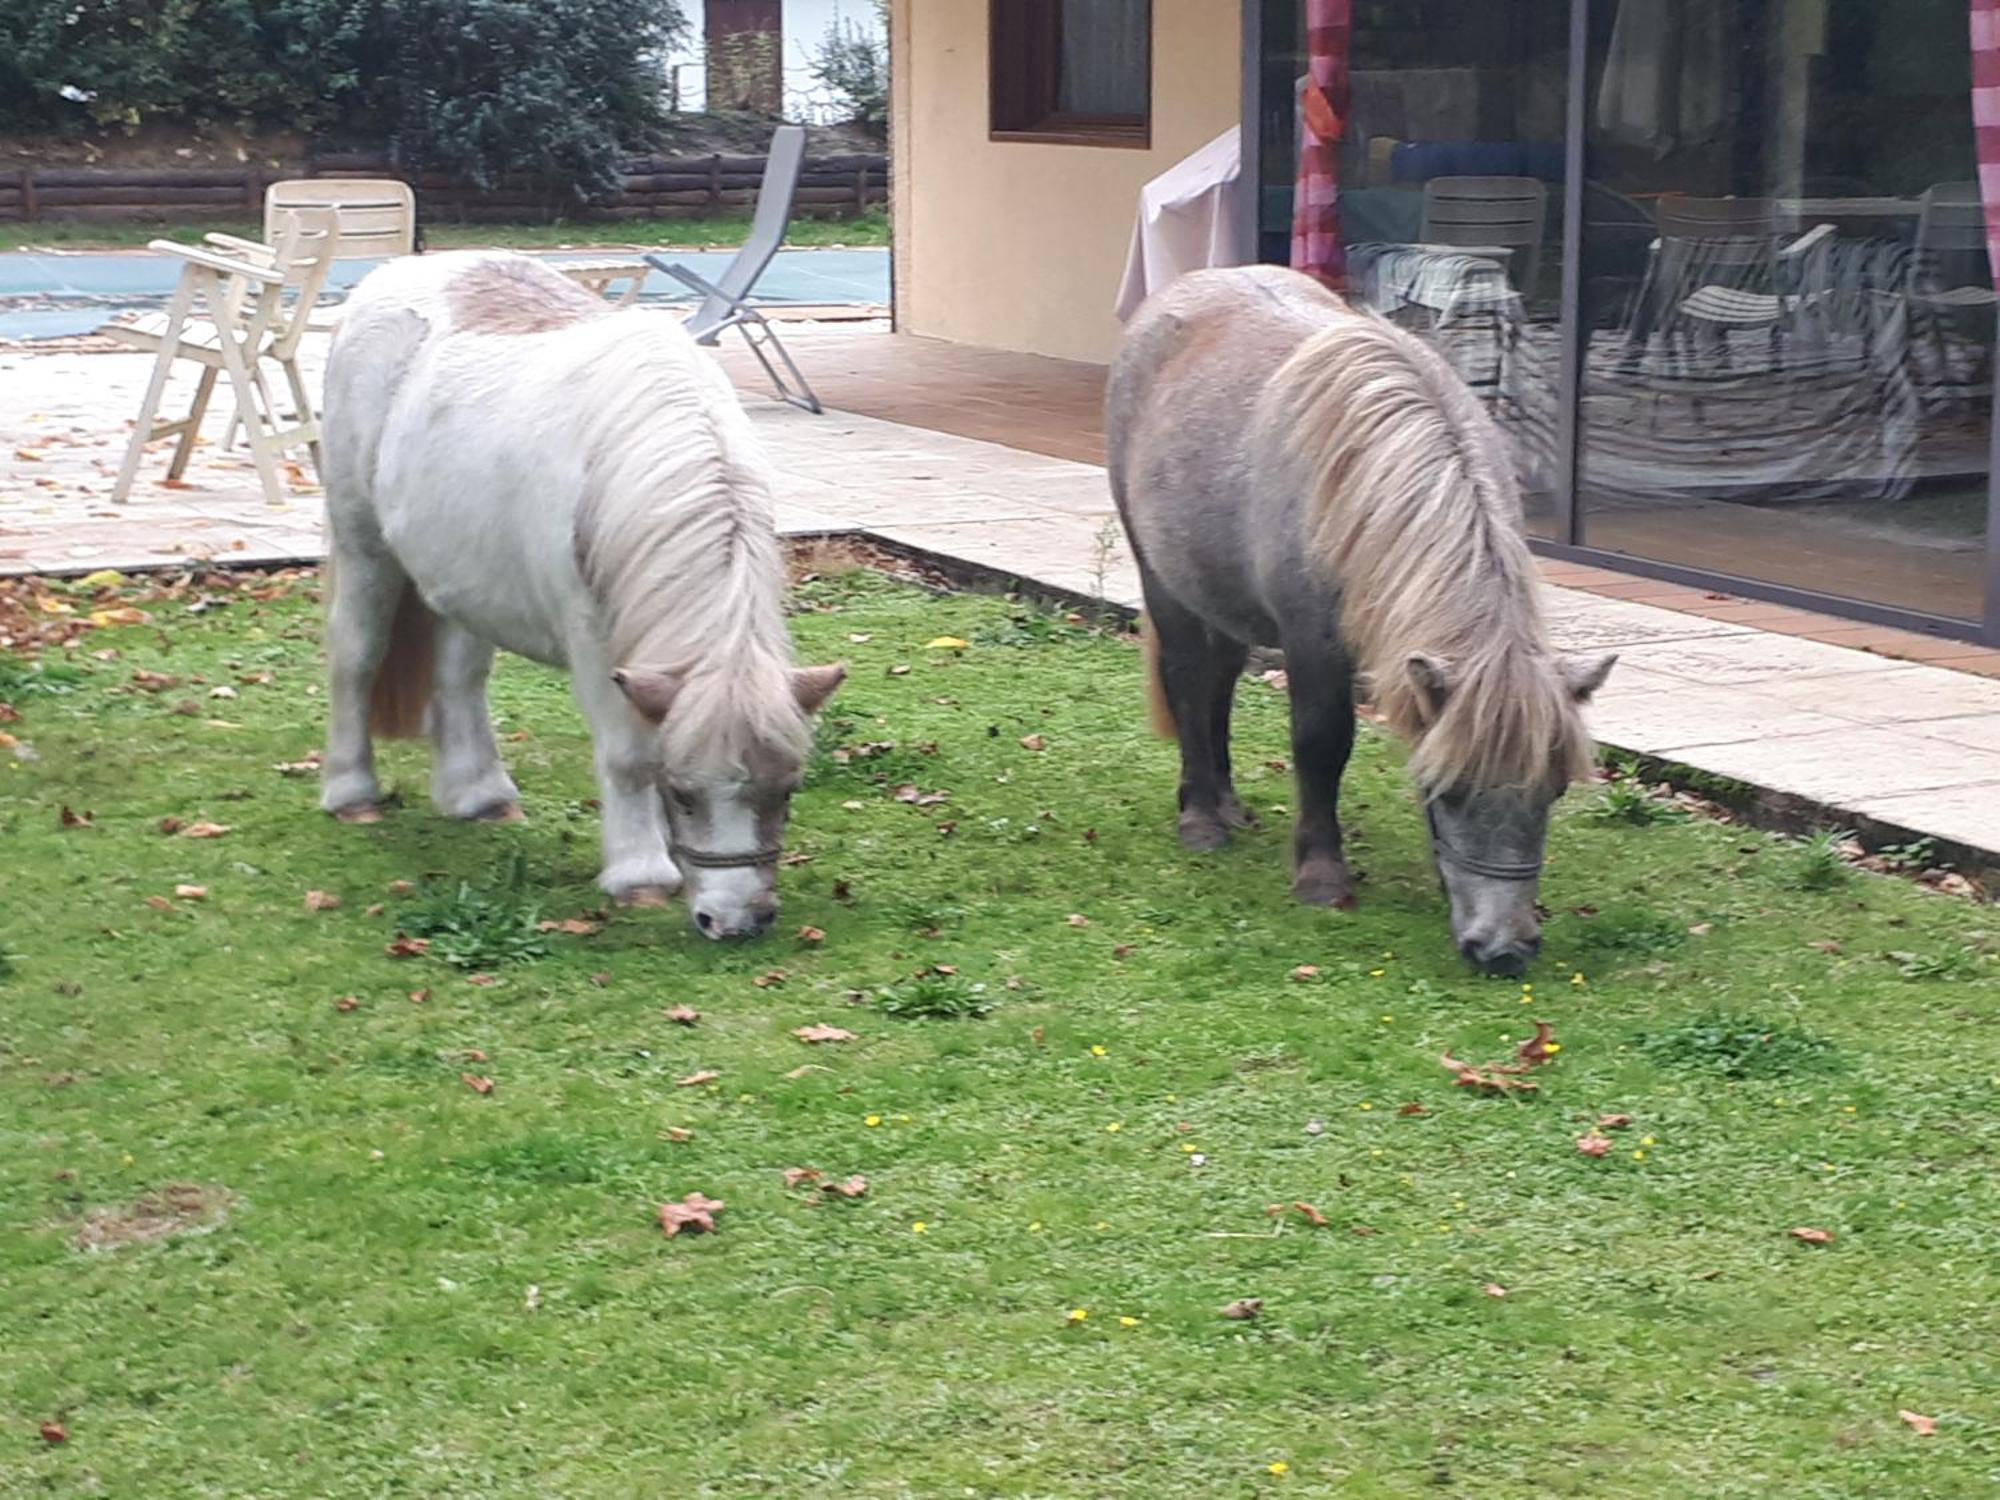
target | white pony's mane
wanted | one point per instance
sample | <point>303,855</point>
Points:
<point>675,539</point>
<point>1416,513</point>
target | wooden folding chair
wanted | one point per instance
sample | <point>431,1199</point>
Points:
<point>229,315</point>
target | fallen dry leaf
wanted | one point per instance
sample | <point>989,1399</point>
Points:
<point>811,935</point>
<point>70,818</point>
<point>695,1080</point>
<point>170,824</point>
<point>1593,1144</point>
<point>191,892</point>
<point>770,980</point>
<point>575,926</point>
<point>1920,1424</point>
<point>1825,945</point>
<point>820,1032</point>
<point>159,903</point>
<point>346,1003</point>
<point>154,682</point>
<point>320,900</point>
<point>909,792</point>
<point>400,887</point>
<point>408,947</point>
<point>1701,929</point>
<point>482,980</point>
<point>601,978</point>
<point>798,1176</point>
<point>1494,1289</point>
<point>853,1187</point>
<point>1312,1215</point>
<point>1613,1122</point>
<point>1305,972</point>
<point>1492,1076</point>
<point>418,997</point>
<point>687,1015</point>
<point>1412,1108</point>
<point>1541,1047</point>
<point>679,1133</point>
<point>54,1432</point>
<point>204,830</point>
<point>1077,919</point>
<point>1244,1308</point>
<point>1813,1236</point>
<point>1033,742</point>
<point>373,909</point>
<point>694,1213</point>
<point>899,671</point>
<point>476,1082</point>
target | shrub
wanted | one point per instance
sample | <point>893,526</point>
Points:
<point>852,64</point>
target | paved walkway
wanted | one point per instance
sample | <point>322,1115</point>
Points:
<point>1911,746</point>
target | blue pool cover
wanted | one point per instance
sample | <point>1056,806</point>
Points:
<point>45,296</point>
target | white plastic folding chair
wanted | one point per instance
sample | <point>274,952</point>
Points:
<point>230,315</point>
<point>1949,291</point>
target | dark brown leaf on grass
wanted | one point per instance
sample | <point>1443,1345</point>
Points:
<point>696,1080</point>
<point>821,1032</point>
<point>478,1083</point>
<point>1493,1077</point>
<point>322,901</point>
<point>1613,1122</point>
<point>686,1015</point>
<point>601,978</point>
<point>1594,1144</point>
<point>769,980</point>
<point>70,818</point>
<point>694,1213</point>
<point>852,1187</point>
<point>159,903</point>
<point>1412,1108</point>
<point>1311,1215</point>
<point>170,824</point>
<point>1539,1048</point>
<point>917,798</point>
<point>346,1003</point>
<point>1813,1236</point>
<point>1920,1424</point>
<point>1243,1309</point>
<point>1123,950</point>
<point>154,682</point>
<point>843,890</point>
<point>408,947</point>
<point>54,1432</point>
<point>811,935</point>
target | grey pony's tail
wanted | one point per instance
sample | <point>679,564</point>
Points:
<point>401,692</point>
<point>1157,710</point>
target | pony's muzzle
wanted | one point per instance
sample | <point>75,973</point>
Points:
<point>751,921</point>
<point>1507,959</point>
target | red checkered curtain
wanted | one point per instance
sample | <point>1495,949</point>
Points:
<point>1323,101</point>
<point>1986,117</point>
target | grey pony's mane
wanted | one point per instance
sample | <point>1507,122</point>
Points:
<point>676,541</point>
<point>1415,513</point>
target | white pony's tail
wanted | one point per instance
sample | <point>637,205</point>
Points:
<point>401,692</point>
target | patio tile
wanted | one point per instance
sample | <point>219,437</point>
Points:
<point>1845,767</point>
<point>1888,692</point>
<point>1965,814</point>
<point>1589,622</point>
<point>1978,731</point>
<point>1654,713</point>
<point>1753,656</point>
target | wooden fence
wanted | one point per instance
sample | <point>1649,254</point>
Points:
<point>680,187</point>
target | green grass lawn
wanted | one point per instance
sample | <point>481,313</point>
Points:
<point>390,1283</point>
<point>677,234</point>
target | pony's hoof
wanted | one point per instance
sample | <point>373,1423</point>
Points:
<point>1203,834</point>
<point>1324,885</point>
<point>645,895</point>
<point>501,812</point>
<point>1235,815</point>
<point>358,812</point>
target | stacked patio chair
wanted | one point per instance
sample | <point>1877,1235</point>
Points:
<point>1949,295</point>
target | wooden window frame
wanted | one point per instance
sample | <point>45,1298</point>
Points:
<point>1024,49</point>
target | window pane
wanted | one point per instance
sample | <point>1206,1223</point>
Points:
<point>1788,304</point>
<point>1451,191</point>
<point>1104,58</point>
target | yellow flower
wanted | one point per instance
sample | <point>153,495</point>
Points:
<point>1128,1322</point>
<point>1035,1228</point>
<point>1647,1140</point>
<point>1638,1156</point>
<point>1376,973</point>
<point>1366,1105</point>
<point>1100,1225</point>
<point>1280,1468</point>
<point>1114,1127</point>
<point>1078,1314</point>
<point>946,643</point>
<point>872,1121</point>
<point>1388,1020</point>
<point>1576,979</point>
<point>920,1227</point>
<point>1527,989</point>
<point>1849,1109</point>
<point>1173,1098</point>
<point>1553,1048</point>
<point>1098,1049</point>
<point>1190,1147</point>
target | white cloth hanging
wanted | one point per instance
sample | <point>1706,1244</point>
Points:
<point>1190,217</point>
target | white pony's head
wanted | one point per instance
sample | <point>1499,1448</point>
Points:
<point>733,746</point>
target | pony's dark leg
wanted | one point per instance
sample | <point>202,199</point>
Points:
<point>1197,675</point>
<point>1322,692</point>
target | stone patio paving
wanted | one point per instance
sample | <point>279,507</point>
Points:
<point>1864,736</point>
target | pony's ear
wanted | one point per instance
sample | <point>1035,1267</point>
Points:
<point>1584,676</point>
<point>1432,680</point>
<point>812,686</point>
<point>651,689</point>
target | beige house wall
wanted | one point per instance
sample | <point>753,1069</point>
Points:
<point>1019,245</point>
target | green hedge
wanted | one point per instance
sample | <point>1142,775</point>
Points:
<point>474,87</point>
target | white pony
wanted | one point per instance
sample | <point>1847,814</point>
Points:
<point>511,464</point>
